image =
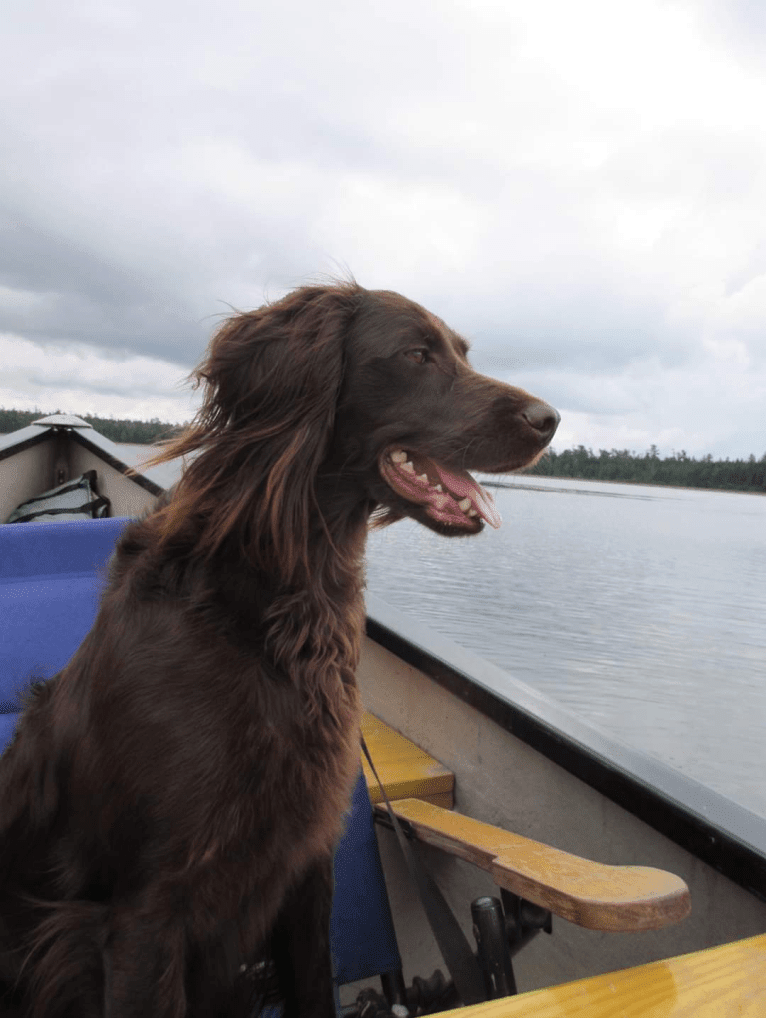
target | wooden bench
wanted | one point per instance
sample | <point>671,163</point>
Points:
<point>590,894</point>
<point>721,982</point>
<point>406,770</point>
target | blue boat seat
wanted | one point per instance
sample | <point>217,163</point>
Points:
<point>50,580</point>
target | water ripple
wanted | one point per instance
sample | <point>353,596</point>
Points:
<point>646,614</point>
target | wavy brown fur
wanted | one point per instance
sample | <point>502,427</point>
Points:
<point>171,801</point>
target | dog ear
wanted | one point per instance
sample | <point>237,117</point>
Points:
<point>272,382</point>
<point>271,370</point>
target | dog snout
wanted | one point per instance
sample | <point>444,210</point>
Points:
<point>543,418</point>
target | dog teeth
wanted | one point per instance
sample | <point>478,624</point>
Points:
<point>408,467</point>
<point>465,505</point>
<point>423,478</point>
<point>438,487</point>
<point>472,512</point>
<point>400,456</point>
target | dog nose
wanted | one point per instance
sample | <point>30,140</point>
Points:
<point>543,418</point>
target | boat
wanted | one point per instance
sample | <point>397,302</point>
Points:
<point>511,797</point>
<point>60,448</point>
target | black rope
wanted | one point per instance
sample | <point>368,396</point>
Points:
<point>455,949</point>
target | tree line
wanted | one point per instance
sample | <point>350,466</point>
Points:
<point>612,465</point>
<point>678,469</point>
<point>135,432</point>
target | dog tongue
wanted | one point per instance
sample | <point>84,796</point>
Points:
<point>464,486</point>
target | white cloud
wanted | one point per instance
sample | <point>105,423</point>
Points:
<point>580,188</point>
<point>81,380</point>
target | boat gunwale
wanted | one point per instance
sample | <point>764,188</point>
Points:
<point>34,437</point>
<point>710,826</point>
<point>93,442</point>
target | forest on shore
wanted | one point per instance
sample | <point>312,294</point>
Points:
<point>678,469</point>
<point>136,432</point>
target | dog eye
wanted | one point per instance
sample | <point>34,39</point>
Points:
<point>420,356</point>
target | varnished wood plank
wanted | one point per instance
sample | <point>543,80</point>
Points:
<point>590,894</point>
<point>405,769</point>
<point>722,982</point>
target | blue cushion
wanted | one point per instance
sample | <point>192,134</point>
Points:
<point>51,575</point>
<point>362,930</point>
<point>7,724</point>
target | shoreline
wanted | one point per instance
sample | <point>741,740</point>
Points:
<point>643,484</point>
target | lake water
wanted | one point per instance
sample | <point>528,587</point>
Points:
<point>641,608</point>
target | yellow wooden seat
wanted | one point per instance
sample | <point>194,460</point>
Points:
<point>405,769</point>
<point>590,894</point>
<point>720,982</point>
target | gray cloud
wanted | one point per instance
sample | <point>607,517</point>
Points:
<point>584,220</point>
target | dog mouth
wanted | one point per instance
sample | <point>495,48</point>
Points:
<point>451,497</point>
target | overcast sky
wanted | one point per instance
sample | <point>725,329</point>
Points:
<point>579,188</point>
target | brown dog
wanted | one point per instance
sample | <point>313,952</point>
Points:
<point>171,801</point>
